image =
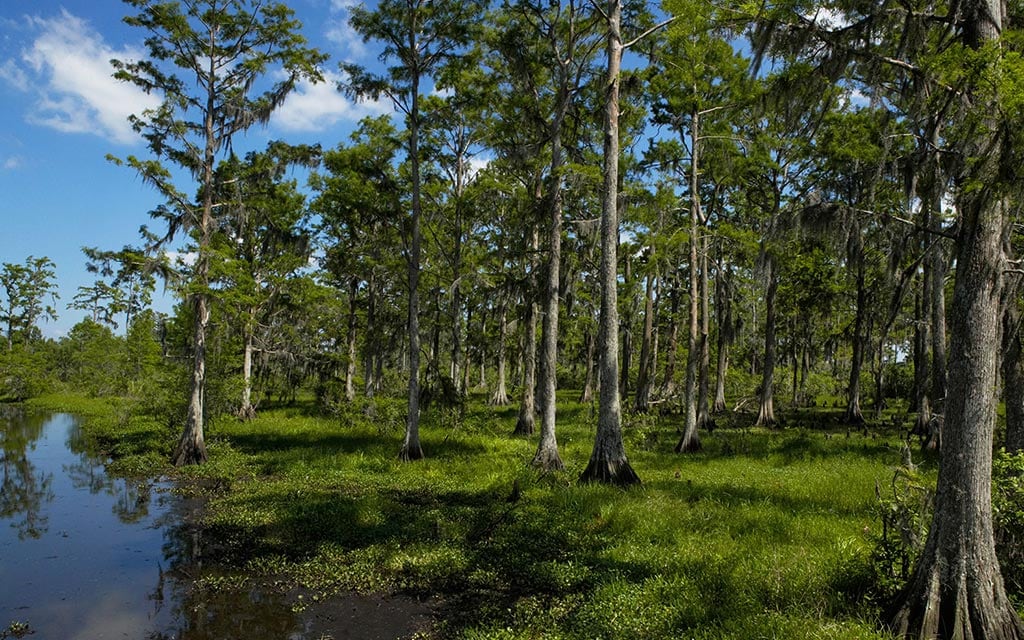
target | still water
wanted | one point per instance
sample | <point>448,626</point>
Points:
<point>84,556</point>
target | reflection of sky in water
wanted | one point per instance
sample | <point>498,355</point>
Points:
<point>87,557</point>
<point>92,563</point>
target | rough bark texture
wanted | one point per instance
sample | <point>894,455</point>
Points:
<point>956,590</point>
<point>191,448</point>
<point>608,461</point>
<point>547,457</point>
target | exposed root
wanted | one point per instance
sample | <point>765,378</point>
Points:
<point>410,452</point>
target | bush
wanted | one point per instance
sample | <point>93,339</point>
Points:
<point>1008,513</point>
<point>905,516</point>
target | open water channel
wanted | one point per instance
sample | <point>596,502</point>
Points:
<point>84,556</point>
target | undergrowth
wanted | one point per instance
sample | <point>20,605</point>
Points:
<point>760,535</point>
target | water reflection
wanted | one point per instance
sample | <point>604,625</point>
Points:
<point>89,556</point>
<point>25,488</point>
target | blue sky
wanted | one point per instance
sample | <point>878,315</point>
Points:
<point>61,113</point>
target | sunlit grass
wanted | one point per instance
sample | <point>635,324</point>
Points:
<point>761,535</point>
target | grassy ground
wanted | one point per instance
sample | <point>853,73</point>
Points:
<point>762,535</point>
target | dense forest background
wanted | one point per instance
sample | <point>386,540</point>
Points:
<point>767,208</point>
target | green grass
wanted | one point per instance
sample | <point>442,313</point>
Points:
<point>761,535</point>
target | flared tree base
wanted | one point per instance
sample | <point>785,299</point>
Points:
<point>969,608</point>
<point>188,452</point>
<point>410,452</point>
<point>524,426</point>
<point>689,443</point>
<point>547,460</point>
<point>246,413</point>
<point>616,472</point>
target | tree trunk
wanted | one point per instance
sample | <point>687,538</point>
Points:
<point>704,420</point>
<point>350,365</point>
<point>608,461</point>
<point>668,381</point>
<point>500,396</point>
<point>921,339</point>
<point>525,422</point>
<point>587,395</point>
<point>246,411</point>
<point>644,376</point>
<point>766,410</point>
<point>854,415</point>
<point>547,457</point>
<point>627,332</point>
<point>411,449</point>
<point>690,440</point>
<point>191,447</point>
<point>723,310</point>
<point>956,590</point>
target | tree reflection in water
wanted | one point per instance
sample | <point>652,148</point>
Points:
<point>132,496</point>
<point>25,489</point>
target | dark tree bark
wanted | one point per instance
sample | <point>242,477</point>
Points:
<point>854,415</point>
<point>956,590</point>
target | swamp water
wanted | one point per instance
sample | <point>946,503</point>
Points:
<point>84,556</point>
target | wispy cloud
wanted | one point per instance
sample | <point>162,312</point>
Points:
<point>68,67</point>
<point>341,34</point>
<point>12,162</point>
<point>316,107</point>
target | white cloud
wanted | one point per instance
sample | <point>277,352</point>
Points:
<point>12,162</point>
<point>316,107</point>
<point>829,18</point>
<point>341,34</point>
<point>182,258</point>
<point>68,65</point>
<point>13,75</point>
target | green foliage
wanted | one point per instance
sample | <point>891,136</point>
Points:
<point>759,531</point>
<point>905,511</point>
<point>26,372</point>
<point>1008,515</point>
